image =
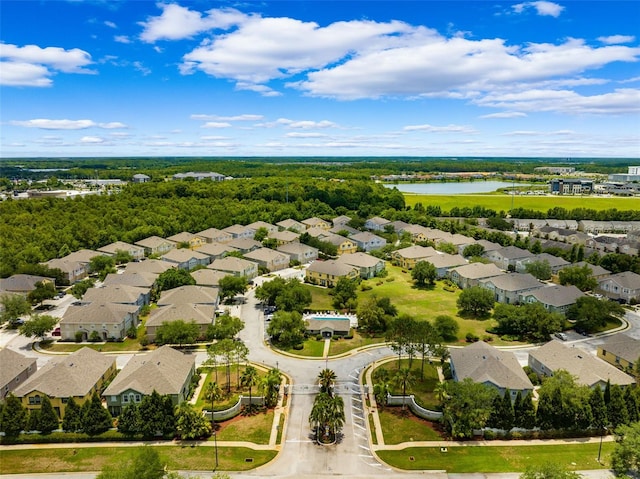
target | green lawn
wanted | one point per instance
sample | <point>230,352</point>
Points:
<point>422,389</point>
<point>310,348</point>
<point>229,399</point>
<point>94,459</point>
<point>398,428</point>
<point>70,347</point>
<point>255,429</point>
<point>497,458</point>
<point>503,202</point>
<point>343,345</point>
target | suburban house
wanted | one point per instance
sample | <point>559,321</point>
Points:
<point>556,298</point>
<point>487,245</point>
<point>268,258</point>
<point>154,266</point>
<point>164,370</point>
<point>419,233</point>
<point>136,252</point>
<point>291,225</point>
<point>284,237</point>
<point>508,288</point>
<point>22,283</point>
<point>624,287</point>
<point>407,257</point>
<point>299,252</point>
<point>239,231</point>
<point>73,270</point>
<point>316,223</point>
<point>344,245</point>
<point>78,375</point>
<point>490,366</point>
<point>110,320</point>
<point>587,369</point>
<point>185,258</point>
<point>154,245</point>
<point>256,225</point>
<point>244,245</point>
<point>119,293</point>
<point>339,230</point>
<point>200,314</point>
<point>556,263</point>
<point>186,238</point>
<point>140,178</point>
<point>471,274</point>
<point>235,266</point>
<point>368,266</point>
<point>507,256</point>
<point>327,328</point>
<point>208,277</point>
<point>141,280</point>
<point>398,225</point>
<point>216,250</point>
<point>214,235</point>
<point>16,369</point>
<point>341,220</point>
<point>562,234</point>
<point>189,294</point>
<point>376,223</point>
<point>368,241</point>
<point>199,176</point>
<point>620,350</point>
<point>327,273</point>
<point>444,262</point>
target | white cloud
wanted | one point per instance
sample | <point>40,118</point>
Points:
<point>47,124</point>
<point>505,114</point>
<point>110,24</point>
<point>440,129</point>
<point>122,39</point>
<point>542,8</point>
<point>213,138</point>
<point>32,65</point>
<point>176,22</point>
<point>216,124</point>
<point>617,39</point>
<point>244,117</point>
<point>141,68</point>
<point>306,124</point>
<point>95,140</point>
<point>305,135</point>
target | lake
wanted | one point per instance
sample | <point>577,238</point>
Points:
<point>452,188</point>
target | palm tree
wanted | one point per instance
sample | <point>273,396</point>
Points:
<point>318,415</point>
<point>327,377</point>
<point>335,416</point>
<point>213,393</point>
<point>271,386</point>
<point>404,378</point>
<point>327,414</point>
<point>249,379</point>
<point>440,392</point>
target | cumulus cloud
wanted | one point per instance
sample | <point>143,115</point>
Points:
<point>440,129</point>
<point>216,124</point>
<point>244,117</point>
<point>122,39</point>
<point>542,8</point>
<point>617,39</point>
<point>295,134</point>
<point>95,140</point>
<point>110,24</point>
<point>47,124</point>
<point>505,114</point>
<point>306,124</point>
<point>32,65</point>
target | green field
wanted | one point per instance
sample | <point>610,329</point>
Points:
<point>503,202</point>
<point>498,458</point>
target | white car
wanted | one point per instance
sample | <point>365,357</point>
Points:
<point>561,336</point>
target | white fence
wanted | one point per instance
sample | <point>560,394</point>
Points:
<point>415,408</point>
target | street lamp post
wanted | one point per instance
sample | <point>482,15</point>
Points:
<point>604,428</point>
<point>215,446</point>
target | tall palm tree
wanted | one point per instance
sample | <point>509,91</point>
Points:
<point>213,393</point>
<point>335,416</point>
<point>271,386</point>
<point>327,378</point>
<point>318,415</point>
<point>403,378</point>
<point>249,379</point>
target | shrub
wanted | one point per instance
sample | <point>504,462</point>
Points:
<point>298,347</point>
<point>79,335</point>
<point>94,337</point>
<point>390,280</point>
<point>471,338</point>
<point>489,435</point>
<point>446,371</point>
<point>487,338</point>
<point>318,337</point>
<point>365,287</point>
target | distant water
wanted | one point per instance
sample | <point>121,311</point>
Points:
<point>451,188</point>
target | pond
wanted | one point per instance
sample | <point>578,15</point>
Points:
<point>453,187</point>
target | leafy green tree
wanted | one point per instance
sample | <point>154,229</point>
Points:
<point>268,291</point>
<point>249,379</point>
<point>129,421</point>
<point>590,314</point>
<point>157,415</point>
<point>102,265</point>
<point>122,257</point>
<point>374,314</point>
<point>225,350</point>
<point>344,294</point>
<point>539,269</point>
<point>473,250</point>
<point>632,401</point>
<point>48,419</point>
<point>446,327</point>
<point>549,470</point>
<point>178,332</point>
<point>12,306</point>
<point>271,387</point>
<point>327,378</point>
<point>524,412</point>
<point>287,328</point>
<point>427,342</point>
<point>261,233</point>
<point>33,420</point>
<point>563,404</point>
<point>579,276</point>
<point>476,301</point>
<point>502,414</point>
<point>424,273</point>
<point>174,278</point>
<point>617,408</point>
<point>38,326</point>
<point>80,288</point>
<point>95,418</point>
<point>530,321</point>
<point>625,458</point>
<point>536,247</point>
<point>293,297</point>
<point>466,406</point>
<point>400,333</point>
<point>190,424</point>
<point>225,326</point>
<point>403,378</point>
<point>43,290</point>
<point>72,420</point>
<point>230,286</point>
<point>598,409</point>
<point>13,418</point>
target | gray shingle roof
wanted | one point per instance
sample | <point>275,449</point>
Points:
<point>623,346</point>
<point>557,295</point>
<point>359,260</point>
<point>514,282</point>
<point>478,270</point>
<point>190,294</point>
<point>199,313</point>
<point>13,363</point>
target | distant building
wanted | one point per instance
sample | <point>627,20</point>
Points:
<point>199,176</point>
<point>140,178</point>
<point>633,174</point>
<point>571,186</point>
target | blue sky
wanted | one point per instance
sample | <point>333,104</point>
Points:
<point>309,78</point>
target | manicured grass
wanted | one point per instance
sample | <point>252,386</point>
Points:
<point>228,399</point>
<point>94,459</point>
<point>69,347</point>
<point>255,429</point>
<point>503,202</point>
<point>498,458</point>
<point>372,428</point>
<point>399,426</point>
<point>343,345</point>
<point>422,389</point>
<point>320,299</point>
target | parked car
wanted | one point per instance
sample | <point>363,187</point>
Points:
<point>56,332</point>
<point>561,336</point>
